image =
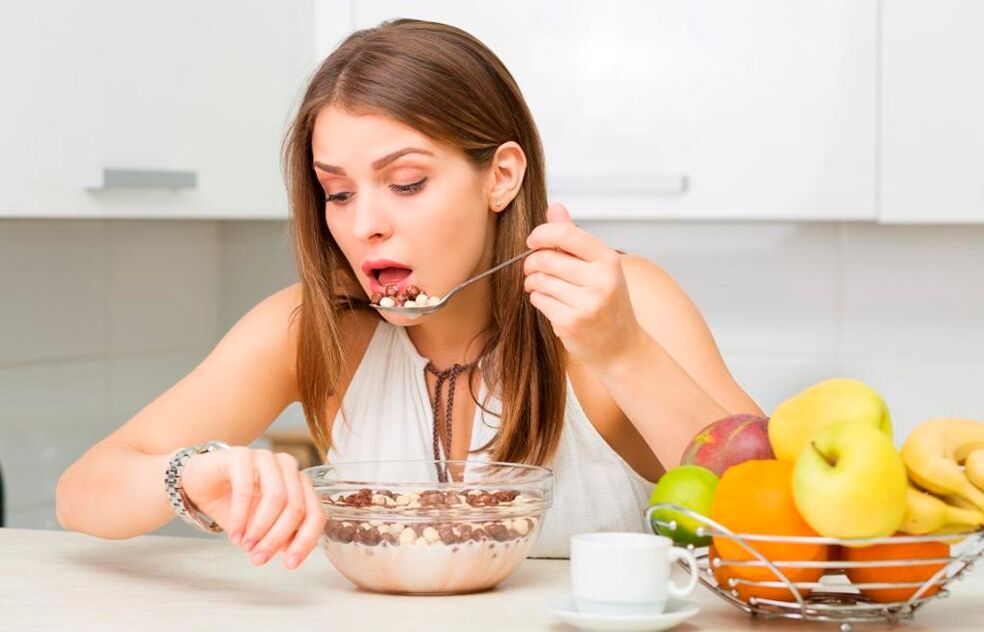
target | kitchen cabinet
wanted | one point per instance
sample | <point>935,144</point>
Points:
<point>688,109</point>
<point>114,108</point>
<point>932,136</point>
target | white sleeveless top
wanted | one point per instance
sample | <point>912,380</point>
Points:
<point>388,415</point>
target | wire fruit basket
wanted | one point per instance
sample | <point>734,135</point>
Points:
<point>832,598</point>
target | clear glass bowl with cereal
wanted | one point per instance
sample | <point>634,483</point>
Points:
<point>430,527</point>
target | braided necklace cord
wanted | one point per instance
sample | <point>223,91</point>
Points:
<point>450,376</point>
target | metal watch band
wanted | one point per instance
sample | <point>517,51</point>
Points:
<point>180,502</point>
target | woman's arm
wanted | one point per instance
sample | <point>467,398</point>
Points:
<point>635,329</point>
<point>116,489</point>
<point>670,381</point>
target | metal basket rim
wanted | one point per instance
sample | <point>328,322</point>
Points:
<point>805,539</point>
<point>814,610</point>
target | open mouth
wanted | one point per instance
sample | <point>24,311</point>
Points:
<point>384,273</point>
<point>391,275</point>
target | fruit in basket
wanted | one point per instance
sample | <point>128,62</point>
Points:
<point>850,482</point>
<point>689,486</point>
<point>926,513</point>
<point>730,441</point>
<point>974,468</point>
<point>883,574</point>
<point>841,399</point>
<point>936,450</point>
<point>756,497</point>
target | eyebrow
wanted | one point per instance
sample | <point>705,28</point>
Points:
<point>379,164</point>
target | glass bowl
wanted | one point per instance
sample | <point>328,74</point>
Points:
<point>430,527</point>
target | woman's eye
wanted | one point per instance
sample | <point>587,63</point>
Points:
<point>404,189</point>
<point>337,198</point>
<point>408,189</point>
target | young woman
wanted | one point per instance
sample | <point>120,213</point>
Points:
<point>414,161</point>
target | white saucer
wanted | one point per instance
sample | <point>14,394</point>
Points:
<point>677,611</point>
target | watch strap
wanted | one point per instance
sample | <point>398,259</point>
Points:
<point>182,505</point>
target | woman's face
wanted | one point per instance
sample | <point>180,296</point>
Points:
<point>403,209</point>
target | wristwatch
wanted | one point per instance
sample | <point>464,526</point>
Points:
<point>180,502</point>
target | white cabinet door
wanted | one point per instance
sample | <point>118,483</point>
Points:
<point>201,88</point>
<point>759,109</point>
<point>933,111</point>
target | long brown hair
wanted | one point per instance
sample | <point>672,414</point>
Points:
<point>445,83</point>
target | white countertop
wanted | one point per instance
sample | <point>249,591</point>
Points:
<point>53,580</point>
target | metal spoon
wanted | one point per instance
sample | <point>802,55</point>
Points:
<point>424,310</point>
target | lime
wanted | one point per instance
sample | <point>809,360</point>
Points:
<point>690,486</point>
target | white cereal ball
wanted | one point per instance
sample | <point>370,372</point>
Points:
<point>387,301</point>
<point>434,300</point>
<point>430,534</point>
<point>410,303</point>
<point>407,536</point>
<point>422,299</point>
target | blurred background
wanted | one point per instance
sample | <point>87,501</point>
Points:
<point>812,173</point>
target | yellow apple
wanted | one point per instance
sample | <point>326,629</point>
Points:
<point>841,399</point>
<point>850,482</point>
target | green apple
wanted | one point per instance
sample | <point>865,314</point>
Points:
<point>841,399</point>
<point>690,486</point>
<point>849,482</point>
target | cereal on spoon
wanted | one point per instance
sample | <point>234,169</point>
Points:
<point>412,296</point>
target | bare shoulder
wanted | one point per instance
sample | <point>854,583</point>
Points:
<point>662,307</point>
<point>649,284</point>
<point>665,311</point>
<point>668,314</point>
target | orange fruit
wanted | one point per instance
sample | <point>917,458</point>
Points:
<point>879,574</point>
<point>756,497</point>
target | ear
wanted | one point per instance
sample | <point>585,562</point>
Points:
<point>506,177</point>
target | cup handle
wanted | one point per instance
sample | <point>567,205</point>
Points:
<point>677,553</point>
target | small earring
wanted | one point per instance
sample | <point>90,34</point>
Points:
<point>498,203</point>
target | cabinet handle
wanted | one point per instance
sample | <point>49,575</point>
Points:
<point>108,178</point>
<point>619,184</point>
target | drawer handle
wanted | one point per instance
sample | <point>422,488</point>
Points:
<point>108,178</point>
<point>619,184</point>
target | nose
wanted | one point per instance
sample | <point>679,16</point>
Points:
<point>371,221</point>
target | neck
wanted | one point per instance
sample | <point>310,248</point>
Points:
<point>457,333</point>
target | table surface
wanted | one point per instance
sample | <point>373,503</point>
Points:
<point>57,580</point>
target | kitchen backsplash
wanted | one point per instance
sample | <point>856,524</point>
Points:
<point>99,317</point>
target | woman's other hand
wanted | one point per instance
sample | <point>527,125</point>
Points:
<point>261,499</point>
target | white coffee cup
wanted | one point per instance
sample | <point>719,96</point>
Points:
<point>626,573</point>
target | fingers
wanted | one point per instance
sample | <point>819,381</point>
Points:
<point>557,212</point>
<point>568,237</point>
<point>556,288</point>
<point>311,529</point>
<point>241,483</point>
<point>273,497</point>
<point>559,264</point>
<point>290,517</point>
<point>556,312</point>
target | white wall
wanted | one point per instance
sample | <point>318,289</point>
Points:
<point>99,317</point>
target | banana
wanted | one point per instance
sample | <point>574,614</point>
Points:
<point>974,468</point>
<point>926,513</point>
<point>959,501</point>
<point>934,452</point>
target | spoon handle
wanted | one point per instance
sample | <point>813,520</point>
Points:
<point>502,265</point>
